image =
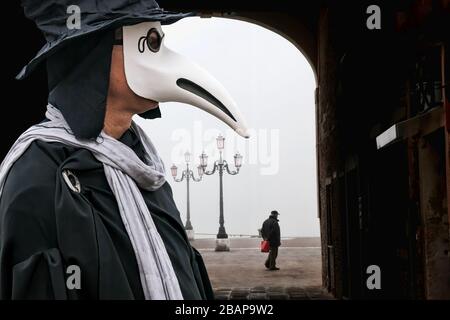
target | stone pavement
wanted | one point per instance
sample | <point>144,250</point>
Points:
<point>240,273</point>
<point>272,293</point>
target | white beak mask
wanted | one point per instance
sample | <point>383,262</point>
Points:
<point>155,72</point>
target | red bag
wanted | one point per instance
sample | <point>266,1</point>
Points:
<point>265,245</point>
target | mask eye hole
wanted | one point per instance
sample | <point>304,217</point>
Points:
<point>154,40</point>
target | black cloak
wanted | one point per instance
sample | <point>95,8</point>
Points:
<point>271,231</point>
<point>45,227</point>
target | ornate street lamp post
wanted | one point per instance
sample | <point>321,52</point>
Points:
<point>222,241</point>
<point>187,174</point>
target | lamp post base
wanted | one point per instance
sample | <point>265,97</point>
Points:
<point>222,244</point>
<point>190,234</point>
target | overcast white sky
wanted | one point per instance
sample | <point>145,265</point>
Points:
<point>273,85</point>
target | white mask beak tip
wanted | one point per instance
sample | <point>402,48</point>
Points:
<point>243,133</point>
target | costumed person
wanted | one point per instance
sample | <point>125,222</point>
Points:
<point>270,231</point>
<point>85,210</point>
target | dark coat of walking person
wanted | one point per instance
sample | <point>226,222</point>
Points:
<point>271,232</point>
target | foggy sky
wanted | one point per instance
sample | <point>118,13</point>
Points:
<point>273,85</point>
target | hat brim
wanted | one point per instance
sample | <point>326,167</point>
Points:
<point>165,17</point>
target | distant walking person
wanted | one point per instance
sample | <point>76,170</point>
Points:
<point>271,232</point>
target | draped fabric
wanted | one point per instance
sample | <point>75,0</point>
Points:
<point>125,173</point>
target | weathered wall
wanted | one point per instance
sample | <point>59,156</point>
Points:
<point>328,155</point>
<point>434,206</point>
<point>377,198</point>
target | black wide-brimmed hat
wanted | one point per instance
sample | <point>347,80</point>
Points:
<point>51,17</point>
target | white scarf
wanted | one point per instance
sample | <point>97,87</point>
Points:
<point>125,172</point>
